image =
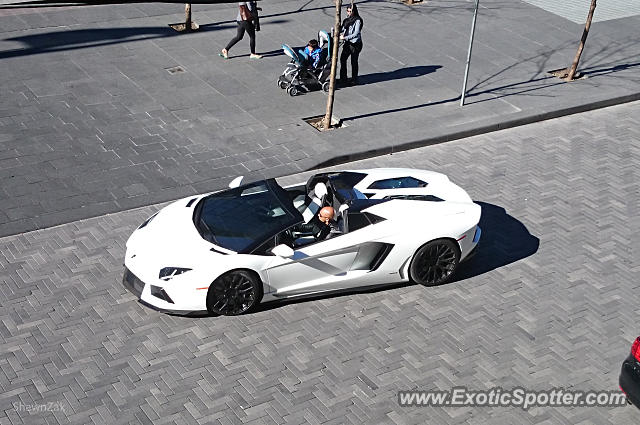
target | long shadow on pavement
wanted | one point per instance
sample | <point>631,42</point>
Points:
<point>504,240</point>
<point>398,74</point>
<point>59,41</point>
<point>521,87</point>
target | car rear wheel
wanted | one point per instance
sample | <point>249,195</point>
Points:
<point>234,293</point>
<point>435,262</point>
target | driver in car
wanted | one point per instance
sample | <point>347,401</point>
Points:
<point>320,225</point>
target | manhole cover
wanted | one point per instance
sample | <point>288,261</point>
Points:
<point>175,69</point>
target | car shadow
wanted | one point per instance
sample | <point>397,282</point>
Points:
<point>504,240</point>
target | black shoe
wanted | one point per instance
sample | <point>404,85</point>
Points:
<point>354,82</point>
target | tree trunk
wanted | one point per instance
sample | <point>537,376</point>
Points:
<point>334,66</point>
<point>576,60</point>
<point>188,24</point>
<point>187,16</point>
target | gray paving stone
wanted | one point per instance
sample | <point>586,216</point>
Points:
<point>518,314</point>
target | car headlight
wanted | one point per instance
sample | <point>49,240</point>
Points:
<point>167,273</point>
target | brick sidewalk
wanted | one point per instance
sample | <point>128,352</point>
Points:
<point>550,301</point>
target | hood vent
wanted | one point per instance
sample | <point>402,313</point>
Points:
<point>415,198</point>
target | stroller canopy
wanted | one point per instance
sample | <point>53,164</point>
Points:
<point>300,57</point>
<point>324,41</point>
<point>292,54</point>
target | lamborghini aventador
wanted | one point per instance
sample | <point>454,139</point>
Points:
<point>226,252</point>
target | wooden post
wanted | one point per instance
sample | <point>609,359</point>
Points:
<point>326,121</point>
<point>576,60</point>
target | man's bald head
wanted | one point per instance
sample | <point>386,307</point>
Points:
<point>325,214</point>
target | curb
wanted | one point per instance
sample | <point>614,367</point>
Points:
<point>516,122</point>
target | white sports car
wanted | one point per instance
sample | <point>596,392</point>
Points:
<point>227,251</point>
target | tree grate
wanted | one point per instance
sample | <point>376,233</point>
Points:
<point>175,69</point>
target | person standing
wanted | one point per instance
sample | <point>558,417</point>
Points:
<point>350,33</point>
<point>247,21</point>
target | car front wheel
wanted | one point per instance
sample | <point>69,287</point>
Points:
<point>234,293</point>
<point>435,262</point>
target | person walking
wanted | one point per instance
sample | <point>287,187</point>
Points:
<point>247,21</point>
<point>350,33</point>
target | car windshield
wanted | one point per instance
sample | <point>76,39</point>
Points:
<point>241,218</point>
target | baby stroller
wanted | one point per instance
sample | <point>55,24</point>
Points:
<point>298,77</point>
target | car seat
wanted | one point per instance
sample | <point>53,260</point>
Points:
<point>317,196</point>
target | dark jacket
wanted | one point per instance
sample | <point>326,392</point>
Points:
<point>318,229</point>
<point>351,26</point>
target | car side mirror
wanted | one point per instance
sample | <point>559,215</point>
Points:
<point>283,251</point>
<point>236,182</point>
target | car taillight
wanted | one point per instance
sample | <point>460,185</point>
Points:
<point>635,349</point>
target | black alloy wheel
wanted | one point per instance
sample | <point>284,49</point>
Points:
<point>234,293</point>
<point>435,262</point>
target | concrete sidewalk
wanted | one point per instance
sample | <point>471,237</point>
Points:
<point>93,120</point>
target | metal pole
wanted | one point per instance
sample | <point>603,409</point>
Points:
<point>466,70</point>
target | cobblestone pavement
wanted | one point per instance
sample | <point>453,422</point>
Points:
<point>93,120</point>
<point>576,11</point>
<point>550,301</point>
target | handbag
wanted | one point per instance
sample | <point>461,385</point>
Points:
<point>254,15</point>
